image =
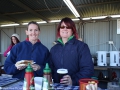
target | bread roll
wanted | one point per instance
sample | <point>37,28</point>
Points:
<point>24,62</point>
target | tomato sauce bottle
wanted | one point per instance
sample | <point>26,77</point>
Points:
<point>29,79</point>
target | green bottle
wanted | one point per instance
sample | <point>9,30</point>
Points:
<point>47,75</point>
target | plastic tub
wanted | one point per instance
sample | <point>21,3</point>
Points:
<point>84,82</point>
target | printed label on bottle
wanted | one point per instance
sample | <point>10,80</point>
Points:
<point>25,84</point>
<point>45,85</point>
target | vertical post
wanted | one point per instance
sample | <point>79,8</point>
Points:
<point>110,74</point>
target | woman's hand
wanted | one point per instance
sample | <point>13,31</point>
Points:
<point>35,67</point>
<point>20,66</point>
<point>66,80</point>
<point>23,66</point>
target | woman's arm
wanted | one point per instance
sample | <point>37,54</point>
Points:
<point>7,50</point>
<point>86,67</point>
<point>9,65</point>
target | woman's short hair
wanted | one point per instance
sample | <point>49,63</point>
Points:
<point>69,23</point>
<point>33,22</point>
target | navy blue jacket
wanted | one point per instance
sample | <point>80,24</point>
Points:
<point>74,56</point>
<point>26,51</point>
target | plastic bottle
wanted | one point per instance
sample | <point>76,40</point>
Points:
<point>29,79</point>
<point>47,76</point>
<point>45,84</point>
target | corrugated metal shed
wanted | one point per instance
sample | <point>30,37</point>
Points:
<point>21,11</point>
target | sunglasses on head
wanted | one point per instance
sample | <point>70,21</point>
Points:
<point>67,27</point>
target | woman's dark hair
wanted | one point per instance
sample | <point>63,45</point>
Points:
<point>16,40</point>
<point>33,22</point>
<point>69,23</point>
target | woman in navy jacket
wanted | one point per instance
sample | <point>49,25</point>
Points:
<point>30,49</point>
<point>70,53</point>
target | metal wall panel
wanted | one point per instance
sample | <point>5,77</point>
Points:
<point>5,40</point>
<point>116,37</point>
<point>48,35</point>
<point>21,32</point>
<point>96,35</point>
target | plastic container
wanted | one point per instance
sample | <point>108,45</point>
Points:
<point>38,83</point>
<point>114,58</point>
<point>84,82</point>
<point>102,58</point>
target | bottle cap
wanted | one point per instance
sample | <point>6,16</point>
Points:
<point>29,68</point>
<point>47,69</point>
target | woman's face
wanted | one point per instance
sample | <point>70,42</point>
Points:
<point>14,40</point>
<point>33,32</point>
<point>65,31</point>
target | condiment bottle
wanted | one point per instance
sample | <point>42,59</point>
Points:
<point>45,84</point>
<point>47,75</point>
<point>29,79</point>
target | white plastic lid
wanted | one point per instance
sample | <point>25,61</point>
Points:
<point>62,71</point>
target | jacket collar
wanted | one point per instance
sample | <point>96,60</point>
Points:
<point>27,39</point>
<point>69,40</point>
